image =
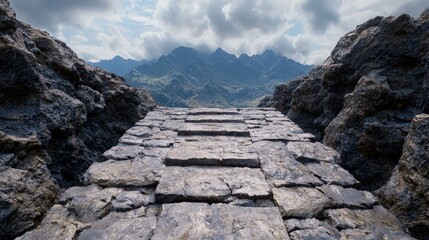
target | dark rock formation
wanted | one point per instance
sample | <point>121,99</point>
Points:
<point>405,193</point>
<point>57,116</point>
<point>362,99</point>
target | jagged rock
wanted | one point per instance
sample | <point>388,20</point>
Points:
<point>218,221</point>
<point>210,184</point>
<point>300,202</point>
<point>404,194</point>
<point>311,229</point>
<point>362,99</point>
<point>75,111</point>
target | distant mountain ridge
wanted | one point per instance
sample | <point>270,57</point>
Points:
<point>118,65</point>
<point>188,78</point>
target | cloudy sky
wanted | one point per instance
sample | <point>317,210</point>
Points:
<point>305,30</point>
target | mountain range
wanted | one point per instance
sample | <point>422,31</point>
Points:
<point>118,65</point>
<point>189,78</point>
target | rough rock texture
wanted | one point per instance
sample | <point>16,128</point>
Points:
<point>406,192</point>
<point>362,99</point>
<point>57,116</point>
<point>134,195</point>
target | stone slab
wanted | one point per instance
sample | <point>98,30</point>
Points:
<point>140,172</point>
<point>348,197</point>
<point>123,152</point>
<point>212,153</point>
<point>312,152</point>
<point>213,111</point>
<point>332,173</point>
<point>214,129</point>
<point>280,167</point>
<point>300,202</point>
<point>211,184</point>
<point>218,221</point>
<point>215,119</point>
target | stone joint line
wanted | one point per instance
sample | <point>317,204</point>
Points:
<point>208,173</point>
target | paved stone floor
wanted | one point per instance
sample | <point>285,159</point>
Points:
<point>209,173</point>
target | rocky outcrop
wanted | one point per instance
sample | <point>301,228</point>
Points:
<point>362,99</point>
<point>406,192</point>
<point>273,183</point>
<point>57,116</point>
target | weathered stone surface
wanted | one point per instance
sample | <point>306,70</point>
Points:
<point>140,172</point>
<point>128,200</point>
<point>214,129</point>
<point>89,203</point>
<point>273,133</point>
<point>215,118</point>
<point>149,123</point>
<point>406,192</point>
<point>300,202</point>
<point>65,231</point>
<point>332,173</point>
<point>213,111</point>
<point>218,221</point>
<point>210,184</point>
<point>123,152</point>
<point>213,152</point>
<point>171,124</point>
<point>348,197</point>
<point>376,223</point>
<point>280,168</point>
<point>126,229</point>
<point>143,132</point>
<point>312,152</point>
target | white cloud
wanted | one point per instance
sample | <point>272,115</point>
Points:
<point>304,30</point>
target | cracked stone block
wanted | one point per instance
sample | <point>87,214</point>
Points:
<point>131,140</point>
<point>149,123</point>
<point>140,172</point>
<point>375,233</point>
<point>345,218</point>
<point>218,221</point>
<point>128,200</point>
<point>124,229</point>
<point>93,206</point>
<point>65,231</point>
<point>153,143</point>
<point>311,229</point>
<point>348,197</point>
<point>140,131</point>
<point>332,173</point>
<point>205,152</point>
<point>280,167</point>
<point>214,129</point>
<point>274,133</point>
<point>156,115</point>
<point>123,152</point>
<point>213,111</point>
<point>300,202</point>
<point>173,125</point>
<point>215,119</point>
<point>312,152</point>
<point>211,184</point>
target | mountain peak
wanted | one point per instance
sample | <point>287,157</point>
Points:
<point>269,52</point>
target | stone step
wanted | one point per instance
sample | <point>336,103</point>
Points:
<point>215,119</point>
<point>210,184</point>
<point>213,111</point>
<point>218,221</point>
<point>214,129</point>
<point>212,153</point>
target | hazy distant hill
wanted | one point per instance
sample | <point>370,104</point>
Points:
<point>118,65</point>
<point>186,77</point>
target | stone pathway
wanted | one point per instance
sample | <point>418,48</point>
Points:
<point>209,173</point>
